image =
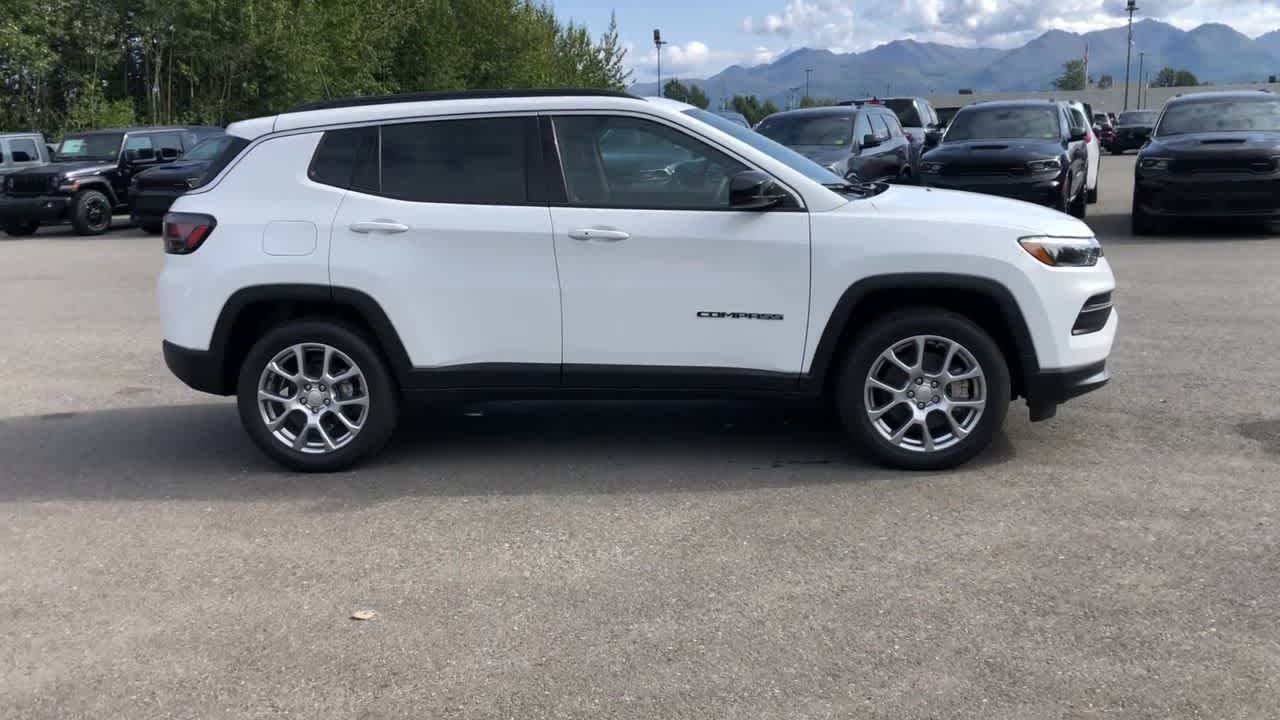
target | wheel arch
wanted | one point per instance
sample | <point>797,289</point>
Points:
<point>101,185</point>
<point>985,301</point>
<point>251,311</point>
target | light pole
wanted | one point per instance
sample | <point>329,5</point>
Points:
<point>1131,8</point>
<point>1142,56</point>
<point>658,42</point>
<point>807,73</point>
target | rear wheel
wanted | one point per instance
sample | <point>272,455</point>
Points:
<point>90,212</point>
<point>923,389</point>
<point>316,397</point>
<point>21,228</point>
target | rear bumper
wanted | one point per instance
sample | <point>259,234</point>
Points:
<point>199,369</point>
<point>1048,389</point>
<point>41,208</point>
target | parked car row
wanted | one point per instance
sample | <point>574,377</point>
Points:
<point>91,176</point>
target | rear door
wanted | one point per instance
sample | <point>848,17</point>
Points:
<point>443,227</point>
<point>885,155</point>
<point>662,283</point>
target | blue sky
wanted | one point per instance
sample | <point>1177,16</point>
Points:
<point>706,36</point>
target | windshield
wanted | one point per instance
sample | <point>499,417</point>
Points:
<point>1040,123</point>
<point>1147,117</point>
<point>207,150</point>
<point>89,146</point>
<point>808,129</point>
<point>1226,116</point>
<point>782,154</point>
<point>905,109</point>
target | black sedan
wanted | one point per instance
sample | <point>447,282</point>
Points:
<point>153,191</point>
<point>1024,149</point>
<point>1133,129</point>
<point>1214,154</point>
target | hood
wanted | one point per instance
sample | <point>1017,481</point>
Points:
<point>986,152</point>
<point>176,169</point>
<point>68,169</point>
<point>1216,144</point>
<point>953,206</point>
<point>823,154</point>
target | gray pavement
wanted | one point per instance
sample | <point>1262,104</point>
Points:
<point>702,562</point>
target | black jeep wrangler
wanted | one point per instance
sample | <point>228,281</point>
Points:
<point>88,180</point>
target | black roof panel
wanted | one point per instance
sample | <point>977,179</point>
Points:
<point>456,95</point>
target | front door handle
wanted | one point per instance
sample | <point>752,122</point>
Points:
<point>379,226</point>
<point>601,234</point>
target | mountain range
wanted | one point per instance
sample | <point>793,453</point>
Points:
<point>1214,52</point>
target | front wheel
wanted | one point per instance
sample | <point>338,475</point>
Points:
<point>923,389</point>
<point>90,212</point>
<point>21,228</point>
<point>1093,196</point>
<point>1080,206</point>
<point>316,397</point>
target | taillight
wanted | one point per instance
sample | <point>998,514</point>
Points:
<point>1088,136</point>
<point>184,233</point>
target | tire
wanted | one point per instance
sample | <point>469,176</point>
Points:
<point>90,212</point>
<point>21,228</point>
<point>327,444</point>
<point>1093,196</point>
<point>900,330</point>
<point>152,228</point>
<point>1080,205</point>
<point>1142,223</point>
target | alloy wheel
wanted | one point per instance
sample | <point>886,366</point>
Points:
<point>925,393</point>
<point>313,398</point>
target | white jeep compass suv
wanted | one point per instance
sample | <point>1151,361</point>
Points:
<point>506,244</point>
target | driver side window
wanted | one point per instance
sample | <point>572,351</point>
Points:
<point>624,162</point>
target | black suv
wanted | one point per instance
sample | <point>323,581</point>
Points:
<point>1025,149</point>
<point>1133,129</point>
<point>88,180</point>
<point>154,190</point>
<point>858,143</point>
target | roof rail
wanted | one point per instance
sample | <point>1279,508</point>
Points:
<point>456,95</point>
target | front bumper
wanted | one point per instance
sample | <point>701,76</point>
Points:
<point>1047,389</point>
<point>151,205</point>
<point>199,369</point>
<point>1247,196</point>
<point>1040,192</point>
<point>40,208</point>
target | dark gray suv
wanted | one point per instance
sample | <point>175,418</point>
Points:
<point>863,143</point>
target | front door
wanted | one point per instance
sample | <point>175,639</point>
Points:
<point>662,284</point>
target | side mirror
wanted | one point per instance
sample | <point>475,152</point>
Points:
<point>754,190</point>
<point>169,153</point>
<point>932,138</point>
<point>870,141</point>
<point>1079,134</point>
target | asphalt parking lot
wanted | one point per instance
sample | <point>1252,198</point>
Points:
<point>1122,560</point>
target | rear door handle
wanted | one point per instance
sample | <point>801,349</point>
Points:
<point>601,234</point>
<point>379,226</point>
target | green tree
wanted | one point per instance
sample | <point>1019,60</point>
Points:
<point>1170,77</point>
<point>1105,82</point>
<point>698,97</point>
<point>808,102</point>
<point>751,108</point>
<point>1072,77</point>
<point>675,90</point>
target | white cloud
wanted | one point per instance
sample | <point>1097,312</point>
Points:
<point>763,56</point>
<point>861,24</point>
<point>690,59</point>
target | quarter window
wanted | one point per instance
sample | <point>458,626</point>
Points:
<point>477,161</point>
<point>168,141</point>
<point>862,128</point>
<point>138,142</point>
<point>881,127</point>
<point>347,159</point>
<point>612,161</point>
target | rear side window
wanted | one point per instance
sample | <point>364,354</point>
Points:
<point>23,150</point>
<point>477,161</point>
<point>862,127</point>
<point>880,127</point>
<point>168,141</point>
<point>138,142</point>
<point>347,159</point>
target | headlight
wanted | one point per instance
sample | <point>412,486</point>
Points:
<point>1063,252</point>
<point>1051,165</point>
<point>70,186</point>
<point>192,182</point>
<point>932,168</point>
<point>1156,163</point>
